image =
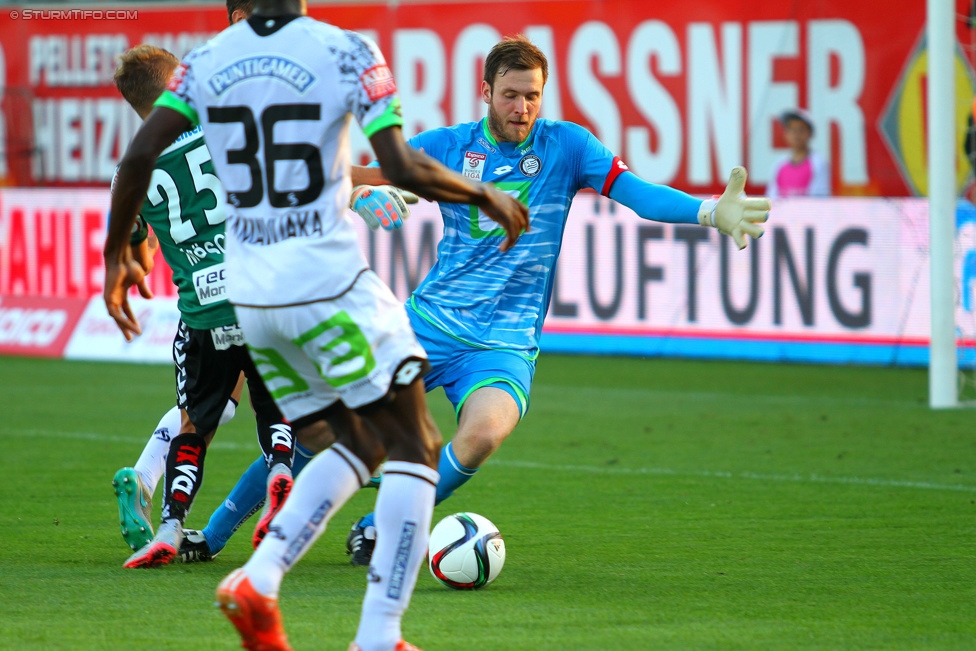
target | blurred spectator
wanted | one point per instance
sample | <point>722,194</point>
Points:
<point>802,172</point>
<point>969,144</point>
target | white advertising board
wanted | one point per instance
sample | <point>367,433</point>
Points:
<point>842,280</point>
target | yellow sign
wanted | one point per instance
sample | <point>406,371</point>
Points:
<point>903,123</point>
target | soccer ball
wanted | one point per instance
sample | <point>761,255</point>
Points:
<point>466,551</point>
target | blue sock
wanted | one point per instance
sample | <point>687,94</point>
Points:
<point>246,497</point>
<point>302,456</point>
<point>453,476</point>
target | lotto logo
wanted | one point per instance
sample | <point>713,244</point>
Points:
<point>408,372</point>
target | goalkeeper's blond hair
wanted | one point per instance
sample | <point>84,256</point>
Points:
<point>142,75</point>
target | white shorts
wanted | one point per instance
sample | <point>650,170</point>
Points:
<point>346,348</point>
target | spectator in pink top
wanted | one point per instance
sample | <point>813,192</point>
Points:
<point>802,172</point>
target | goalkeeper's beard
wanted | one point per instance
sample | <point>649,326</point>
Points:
<point>504,132</point>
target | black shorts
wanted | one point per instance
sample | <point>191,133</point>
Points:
<point>208,365</point>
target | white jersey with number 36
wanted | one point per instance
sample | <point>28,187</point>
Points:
<point>274,96</point>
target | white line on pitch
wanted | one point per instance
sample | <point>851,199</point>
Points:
<point>130,440</point>
<point>609,470</point>
<point>797,478</point>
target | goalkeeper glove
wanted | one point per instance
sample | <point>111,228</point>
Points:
<point>733,213</point>
<point>382,205</point>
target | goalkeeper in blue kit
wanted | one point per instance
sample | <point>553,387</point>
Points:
<point>479,312</point>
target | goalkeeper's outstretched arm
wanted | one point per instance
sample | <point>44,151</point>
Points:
<point>732,213</point>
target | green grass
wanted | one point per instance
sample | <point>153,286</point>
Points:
<point>645,504</point>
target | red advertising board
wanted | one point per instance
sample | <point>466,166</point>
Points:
<point>842,280</point>
<point>51,244</point>
<point>682,91</point>
<point>37,326</point>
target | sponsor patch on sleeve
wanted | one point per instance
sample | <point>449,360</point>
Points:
<point>177,78</point>
<point>378,82</point>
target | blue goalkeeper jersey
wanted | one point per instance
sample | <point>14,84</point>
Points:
<point>474,292</point>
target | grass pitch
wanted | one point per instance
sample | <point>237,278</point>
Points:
<point>645,504</point>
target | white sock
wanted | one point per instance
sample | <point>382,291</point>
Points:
<point>321,489</point>
<point>228,414</point>
<point>404,508</point>
<point>278,469</point>
<point>151,465</point>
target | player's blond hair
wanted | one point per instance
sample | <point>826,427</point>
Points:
<point>142,75</point>
<point>514,53</point>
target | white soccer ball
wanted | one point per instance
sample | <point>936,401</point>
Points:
<point>466,551</point>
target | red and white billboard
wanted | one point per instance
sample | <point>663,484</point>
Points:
<point>681,91</point>
<point>97,337</point>
<point>51,243</point>
<point>51,278</point>
<point>839,280</point>
<point>842,279</point>
<point>37,326</point>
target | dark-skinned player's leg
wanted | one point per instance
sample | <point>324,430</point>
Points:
<point>249,595</point>
<point>397,427</point>
<point>404,507</point>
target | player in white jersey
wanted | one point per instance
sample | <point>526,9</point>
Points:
<point>203,375</point>
<point>274,95</point>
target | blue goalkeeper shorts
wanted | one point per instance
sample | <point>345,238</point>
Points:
<point>462,369</point>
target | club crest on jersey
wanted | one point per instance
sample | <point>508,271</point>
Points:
<point>530,165</point>
<point>474,165</point>
<point>378,82</point>
<point>272,67</point>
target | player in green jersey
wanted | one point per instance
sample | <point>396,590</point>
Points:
<point>184,207</point>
